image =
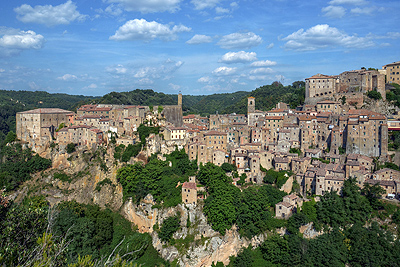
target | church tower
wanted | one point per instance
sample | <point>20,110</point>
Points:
<point>251,105</point>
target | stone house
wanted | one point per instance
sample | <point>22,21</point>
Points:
<point>189,193</point>
<point>288,206</point>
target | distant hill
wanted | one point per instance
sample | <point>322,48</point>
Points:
<point>266,98</point>
<point>12,102</point>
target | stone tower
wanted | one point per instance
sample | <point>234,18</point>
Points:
<point>251,105</point>
<point>180,99</point>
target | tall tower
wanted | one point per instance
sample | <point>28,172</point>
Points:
<point>180,99</point>
<point>251,105</point>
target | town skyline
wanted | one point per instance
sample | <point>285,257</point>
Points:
<point>196,47</point>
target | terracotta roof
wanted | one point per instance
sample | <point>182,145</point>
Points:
<point>214,133</point>
<point>189,185</point>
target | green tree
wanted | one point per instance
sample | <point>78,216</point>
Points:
<point>374,95</point>
<point>70,148</point>
<point>169,227</point>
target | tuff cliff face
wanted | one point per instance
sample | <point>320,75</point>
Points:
<point>198,244</point>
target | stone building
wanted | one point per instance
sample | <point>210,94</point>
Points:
<point>367,133</point>
<point>38,126</point>
<point>289,206</point>
<point>321,85</point>
<point>189,193</point>
<point>392,71</point>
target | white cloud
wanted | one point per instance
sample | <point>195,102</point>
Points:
<point>348,2</point>
<point>199,39</point>
<point>271,45</point>
<point>238,57</point>
<point>67,77</point>
<point>157,71</point>
<point>14,41</point>
<point>322,36</point>
<point>202,4</point>
<point>148,6</point>
<point>49,15</point>
<point>91,86</point>
<point>261,71</point>
<point>334,11</point>
<point>118,69</point>
<point>258,77</point>
<point>224,71</point>
<point>220,10</point>
<point>113,10</point>
<point>140,29</point>
<point>263,63</point>
<point>2,70</point>
<point>240,40</point>
<point>145,81</point>
<point>174,86</point>
<point>204,79</point>
<point>365,10</point>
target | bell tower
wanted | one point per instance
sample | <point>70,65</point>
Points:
<point>251,105</point>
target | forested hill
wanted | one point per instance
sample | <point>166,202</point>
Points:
<point>12,102</point>
<point>266,98</point>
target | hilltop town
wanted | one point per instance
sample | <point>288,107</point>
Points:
<point>327,140</point>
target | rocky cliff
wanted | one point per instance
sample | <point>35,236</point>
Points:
<point>196,244</point>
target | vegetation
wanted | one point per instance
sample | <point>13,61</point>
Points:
<point>374,95</point>
<point>70,148</point>
<point>74,235</point>
<point>157,178</point>
<point>17,165</point>
<point>226,204</point>
<point>169,227</point>
<point>394,94</point>
<point>278,178</point>
<point>346,241</point>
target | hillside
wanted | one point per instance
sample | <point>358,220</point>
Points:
<point>266,98</point>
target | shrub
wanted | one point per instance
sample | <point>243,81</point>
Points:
<point>70,148</point>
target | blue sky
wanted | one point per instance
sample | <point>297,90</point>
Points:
<point>93,47</point>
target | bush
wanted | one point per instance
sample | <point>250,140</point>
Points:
<point>70,148</point>
<point>169,227</point>
<point>374,95</point>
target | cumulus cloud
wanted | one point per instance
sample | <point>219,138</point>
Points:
<point>199,39</point>
<point>240,40</point>
<point>140,29</point>
<point>67,77</point>
<point>263,63</point>
<point>322,36</point>
<point>49,15</point>
<point>224,71</point>
<point>261,71</point>
<point>238,57</point>
<point>348,2</point>
<point>334,11</point>
<point>202,4</point>
<point>13,41</point>
<point>148,6</point>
